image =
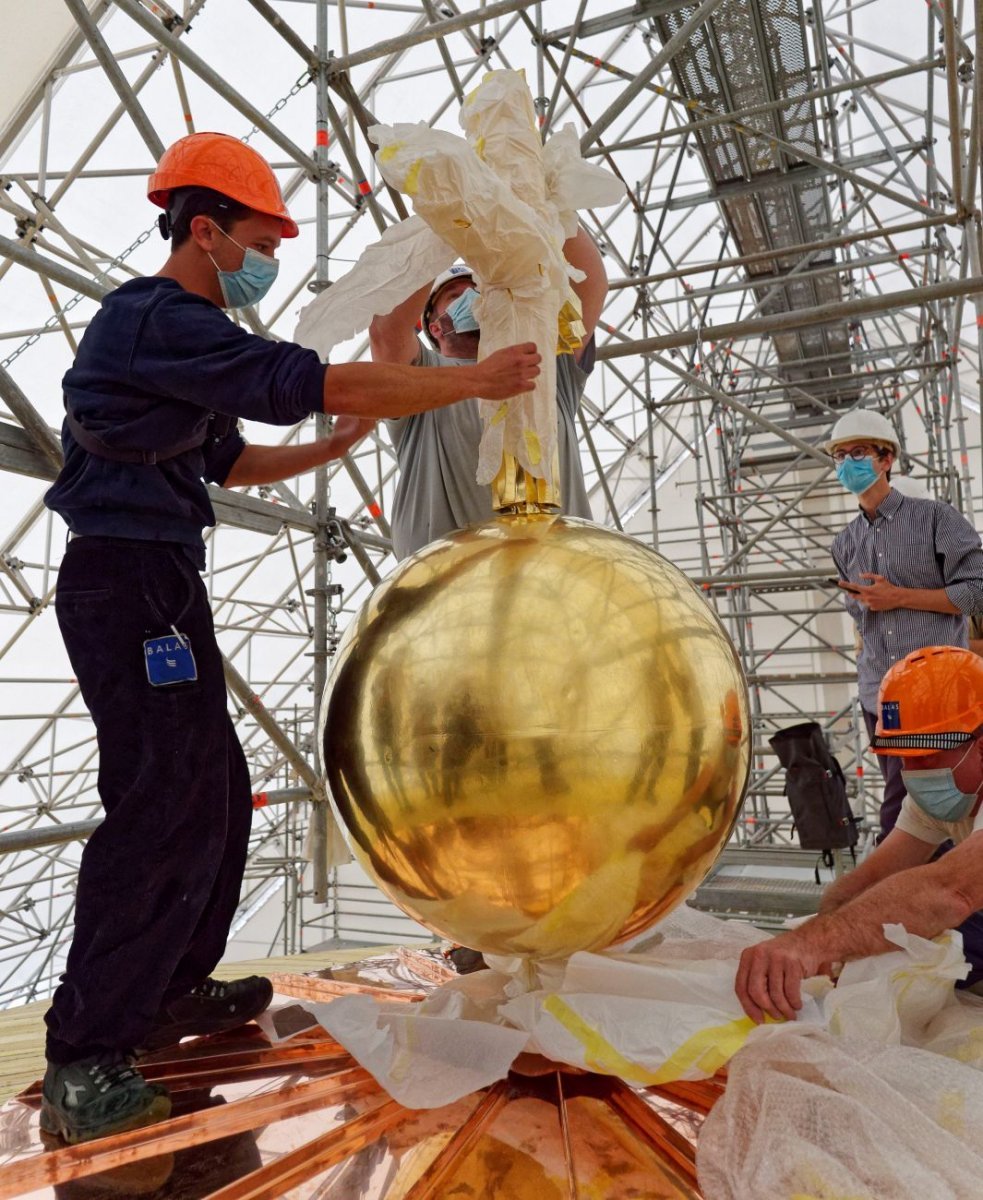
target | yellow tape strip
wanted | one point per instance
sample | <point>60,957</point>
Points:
<point>412,176</point>
<point>707,1050</point>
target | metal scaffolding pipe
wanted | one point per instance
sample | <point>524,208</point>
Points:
<point>788,101</point>
<point>418,37</point>
<point>770,180</point>
<point>252,704</point>
<point>117,79</point>
<point>30,418</point>
<point>287,32</point>
<point>743,260</point>
<point>952,97</point>
<point>77,831</point>
<point>648,72</point>
<point>797,319</point>
<point>209,75</point>
<point>21,254</point>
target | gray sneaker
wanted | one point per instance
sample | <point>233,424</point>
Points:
<point>96,1096</point>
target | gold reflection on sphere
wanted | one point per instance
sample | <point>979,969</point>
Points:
<point>536,735</point>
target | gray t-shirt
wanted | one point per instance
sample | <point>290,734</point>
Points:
<point>437,452</point>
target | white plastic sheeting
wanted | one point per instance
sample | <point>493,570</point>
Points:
<point>876,1092</point>
<point>504,203</point>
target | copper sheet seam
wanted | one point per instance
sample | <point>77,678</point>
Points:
<point>457,1149</point>
<point>276,1179</point>
<point>215,1069</point>
<point>309,987</point>
<point>657,1131</point>
<point>699,1095</point>
<point>561,1106</point>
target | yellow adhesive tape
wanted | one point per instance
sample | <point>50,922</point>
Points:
<point>708,1050</point>
<point>533,448</point>
<point>412,178</point>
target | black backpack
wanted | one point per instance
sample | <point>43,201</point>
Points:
<point>816,791</point>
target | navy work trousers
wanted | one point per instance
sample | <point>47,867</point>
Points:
<point>159,880</point>
<point>894,789</point>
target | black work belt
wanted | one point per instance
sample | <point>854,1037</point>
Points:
<point>148,458</point>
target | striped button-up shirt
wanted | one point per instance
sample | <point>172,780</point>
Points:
<point>913,543</point>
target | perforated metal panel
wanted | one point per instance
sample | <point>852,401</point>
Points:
<point>758,897</point>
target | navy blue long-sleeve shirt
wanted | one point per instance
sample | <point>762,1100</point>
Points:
<point>154,363</point>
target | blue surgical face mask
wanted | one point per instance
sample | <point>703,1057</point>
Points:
<point>856,477</point>
<point>461,312</point>
<point>253,279</point>
<point>936,793</point>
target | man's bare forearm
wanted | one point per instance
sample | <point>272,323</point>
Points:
<point>841,891</point>
<point>920,899</point>
<point>928,600</point>
<point>384,390</point>
<point>270,464</point>
<point>392,336</point>
<point>898,852</point>
<point>381,390</point>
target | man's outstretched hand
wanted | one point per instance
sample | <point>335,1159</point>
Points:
<point>347,431</point>
<point>508,372</point>
<point>770,975</point>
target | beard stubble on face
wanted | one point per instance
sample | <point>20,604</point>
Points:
<point>459,345</point>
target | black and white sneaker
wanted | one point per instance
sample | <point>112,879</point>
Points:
<point>99,1095</point>
<point>213,1006</point>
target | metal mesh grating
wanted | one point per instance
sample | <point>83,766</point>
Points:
<point>746,55</point>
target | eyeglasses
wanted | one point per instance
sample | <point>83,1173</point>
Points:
<point>858,453</point>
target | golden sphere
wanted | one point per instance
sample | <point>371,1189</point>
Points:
<point>536,735</point>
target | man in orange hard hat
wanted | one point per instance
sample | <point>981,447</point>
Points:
<point>930,716</point>
<point>152,401</point>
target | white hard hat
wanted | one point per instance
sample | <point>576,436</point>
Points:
<point>448,276</point>
<point>863,424</point>
<point>910,487</point>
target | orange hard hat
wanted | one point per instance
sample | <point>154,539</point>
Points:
<point>930,701</point>
<point>224,164</point>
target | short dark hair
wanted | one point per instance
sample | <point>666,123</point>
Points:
<point>184,204</point>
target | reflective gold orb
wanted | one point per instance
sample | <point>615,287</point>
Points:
<point>536,735</point>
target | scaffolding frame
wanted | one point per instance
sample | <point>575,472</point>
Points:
<point>797,236</point>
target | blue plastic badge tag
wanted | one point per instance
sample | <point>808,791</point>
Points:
<point>169,660</point>
<point>890,714</point>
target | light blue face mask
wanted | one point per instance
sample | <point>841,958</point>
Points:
<point>856,477</point>
<point>461,312</point>
<point>253,279</point>
<point>935,792</point>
